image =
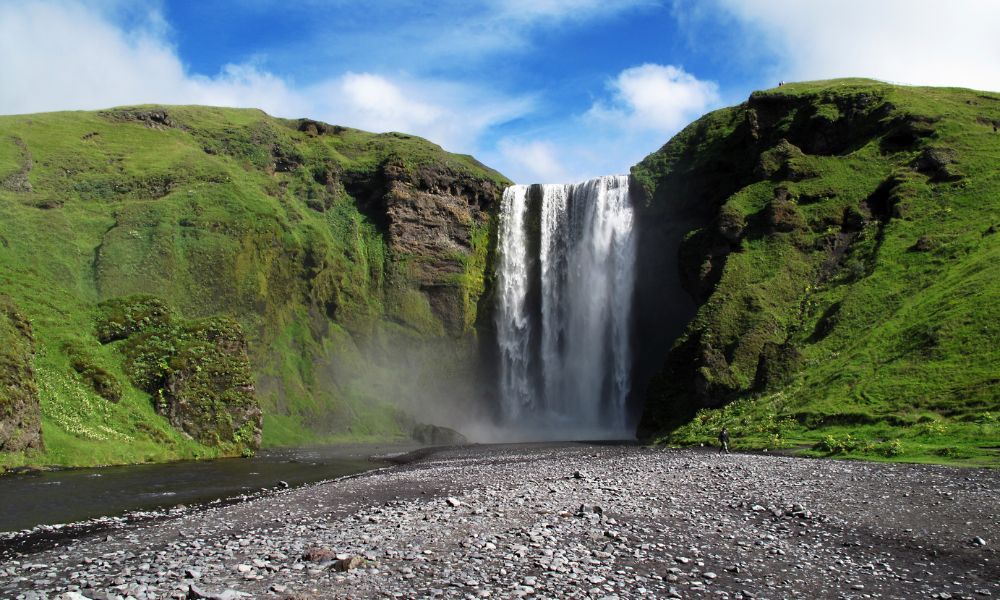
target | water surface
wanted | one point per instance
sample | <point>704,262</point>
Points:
<point>53,497</point>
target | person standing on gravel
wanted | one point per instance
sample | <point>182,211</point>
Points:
<point>724,440</point>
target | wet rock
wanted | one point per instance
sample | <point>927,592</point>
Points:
<point>436,435</point>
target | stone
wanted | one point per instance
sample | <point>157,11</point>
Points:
<point>196,593</point>
<point>317,554</point>
<point>346,564</point>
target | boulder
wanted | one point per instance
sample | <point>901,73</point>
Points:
<point>435,435</point>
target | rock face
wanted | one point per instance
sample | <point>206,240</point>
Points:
<point>20,417</point>
<point>439,224</point>
<point>797,203</point>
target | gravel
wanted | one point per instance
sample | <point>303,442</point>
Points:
<point>558,521</point>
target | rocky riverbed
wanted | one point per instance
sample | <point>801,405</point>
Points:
<point>571,520</point>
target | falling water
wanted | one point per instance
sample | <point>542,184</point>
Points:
<point>565,279</point>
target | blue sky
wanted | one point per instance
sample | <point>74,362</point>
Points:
<point>542,90</point>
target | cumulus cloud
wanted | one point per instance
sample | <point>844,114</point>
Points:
<point>645,105</point>
<point>534,161</point>
<point>69,56</point>
<point>651,97</point>
<point>906,41</point>
<point>448,113</point>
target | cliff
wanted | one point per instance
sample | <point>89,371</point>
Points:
<point>186,270</point>
<point>839,243</point>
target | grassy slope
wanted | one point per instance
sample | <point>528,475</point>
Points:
<point>214,211</point>
<point>878,338</point>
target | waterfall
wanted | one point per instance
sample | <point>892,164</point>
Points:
<point>565,275</point>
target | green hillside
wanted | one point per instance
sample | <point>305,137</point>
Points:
<point>343,257</point>
<point>847,270</point>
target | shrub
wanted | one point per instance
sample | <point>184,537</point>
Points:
<point>888,448</point>
<point>831,444</point>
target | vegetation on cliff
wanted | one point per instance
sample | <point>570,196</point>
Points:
<point>847,270</point>
<point>340,255</point>
<point>19,412</point>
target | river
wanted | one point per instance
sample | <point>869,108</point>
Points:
<point>52,497</point>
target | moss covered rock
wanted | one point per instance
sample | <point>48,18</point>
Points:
<point>197,372</point>
<point>208,391</point>
<point>118,318</point>
<point>20,418</point>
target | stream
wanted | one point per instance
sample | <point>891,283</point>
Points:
<point>52,497</point>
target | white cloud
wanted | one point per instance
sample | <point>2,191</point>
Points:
<point>67,56</point>
<point>450,114</point>
<point>923,42</point>
<point>655,98</point>
<point>550,12</point>
<point>645,106</point>
<point>534,161</point>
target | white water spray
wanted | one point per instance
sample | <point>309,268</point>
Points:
<point>563,316</point>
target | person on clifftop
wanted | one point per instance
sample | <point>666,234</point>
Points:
<point>724,440</point>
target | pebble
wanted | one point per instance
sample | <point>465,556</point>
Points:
<point>508,522</point>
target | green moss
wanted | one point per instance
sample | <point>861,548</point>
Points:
<point>19,409</point>
<point>199,377</point>
<point>119,318</point>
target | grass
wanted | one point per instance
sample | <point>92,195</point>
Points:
<point>217,212</point>
<point>774,422</point>
<point>856,314</point>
